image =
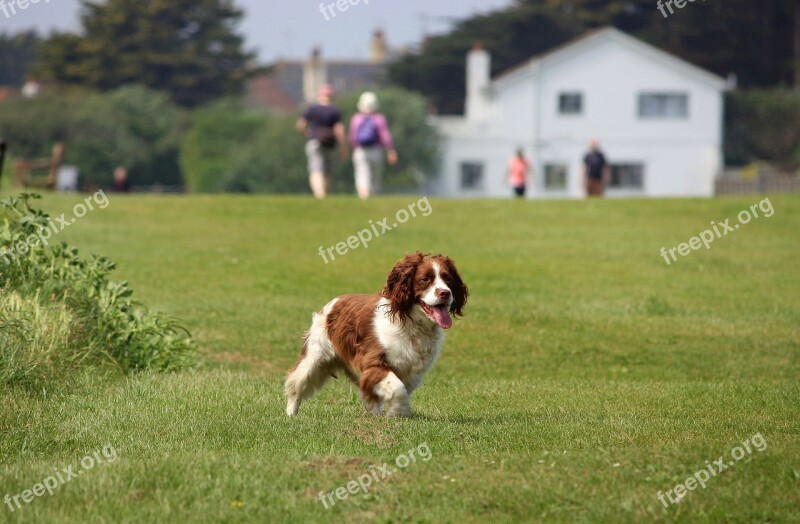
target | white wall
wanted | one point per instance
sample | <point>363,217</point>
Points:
<point>681,156</point>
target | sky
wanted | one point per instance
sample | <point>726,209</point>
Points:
<point>291,28</point>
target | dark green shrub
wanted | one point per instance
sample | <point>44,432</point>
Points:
<point>762,125</point>
<point>159,126</point>
<point>130,126</point>
<point>273,162</point>
<point>99,140</point>
<point>217,134</point>
<point>32,125</point>
<point>416,141</point>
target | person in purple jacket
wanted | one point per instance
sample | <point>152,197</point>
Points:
<point>370,139</point>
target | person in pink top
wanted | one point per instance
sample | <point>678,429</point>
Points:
<point>370,139</point>
<point>518,168</point>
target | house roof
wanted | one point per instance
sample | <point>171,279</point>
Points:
<point>591,39</point>
<point>263,91</point>
<point>349,76</point>
<point>282,87</point>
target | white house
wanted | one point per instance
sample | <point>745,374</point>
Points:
<point>657,117</point>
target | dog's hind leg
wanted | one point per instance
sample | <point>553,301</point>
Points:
<point>316,363</point>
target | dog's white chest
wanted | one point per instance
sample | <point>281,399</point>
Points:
<point>411,347</point>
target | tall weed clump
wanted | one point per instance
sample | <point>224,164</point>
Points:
<point>61,314</point>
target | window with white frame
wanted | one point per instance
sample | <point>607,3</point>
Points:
<point>570,103</point>
<point>471,175</point>
<point>663,105</point>
<point>627,176</point>
<point>555,177</point>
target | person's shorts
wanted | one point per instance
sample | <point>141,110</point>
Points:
<point>519,191</point>
<point>320,159</point>
<point>595,187</point>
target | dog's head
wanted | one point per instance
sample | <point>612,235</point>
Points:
<point>426,284</point>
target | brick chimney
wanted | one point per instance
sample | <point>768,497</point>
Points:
<point>315,74</point>
<point>479,65</point>
<point>378,47</point>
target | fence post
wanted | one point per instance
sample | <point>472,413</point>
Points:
<point>2,158</point>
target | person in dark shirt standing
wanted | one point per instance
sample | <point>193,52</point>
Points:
<point>322,125</point>
<point>596,171</point>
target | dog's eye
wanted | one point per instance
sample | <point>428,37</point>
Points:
<point>424,280</point>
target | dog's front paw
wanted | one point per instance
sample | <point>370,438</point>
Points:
<point>399,411</point>
<point>374,408</point>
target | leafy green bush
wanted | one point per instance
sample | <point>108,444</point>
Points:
<point>32,125</point>
<point>159,125</point>
<point>762,124</point>
<point>60,312</point>
<point>273,162</point>
<point>98,140</point>
<point>416,141</point>
<point>130,126</point>
<point>217,134</point>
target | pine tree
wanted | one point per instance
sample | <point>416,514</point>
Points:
<point>17,53</point>
<point>187,48</point>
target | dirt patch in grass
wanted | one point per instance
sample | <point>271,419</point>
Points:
<point>376,436</point>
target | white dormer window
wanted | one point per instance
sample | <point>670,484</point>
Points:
<point>570,103</point>
<point>663,105</point>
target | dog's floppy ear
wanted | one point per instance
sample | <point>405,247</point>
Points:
<point>399,287</point>
<point>457,286</point>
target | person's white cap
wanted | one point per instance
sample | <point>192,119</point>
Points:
<point>368,102</point>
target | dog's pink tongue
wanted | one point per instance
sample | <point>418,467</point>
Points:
<point>442,317</point>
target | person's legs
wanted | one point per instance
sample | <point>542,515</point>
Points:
<point>595,187</point>
<point>375,160</point>
<point>362,173</point>
<point>328,163</point>
<point>519,191</point>
<point>316,168</point>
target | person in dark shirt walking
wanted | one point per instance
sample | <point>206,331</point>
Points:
<point>596,171</point>
<point>322,125</point>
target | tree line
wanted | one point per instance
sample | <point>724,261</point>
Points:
<point>755,41</point>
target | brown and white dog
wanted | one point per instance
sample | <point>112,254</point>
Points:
<point>384,342</point>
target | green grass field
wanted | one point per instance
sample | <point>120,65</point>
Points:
<point>586,376</point>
